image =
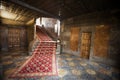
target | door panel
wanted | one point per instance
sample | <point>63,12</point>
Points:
<point>13,38</point>
<point>16,38</point>
<point>74,38</point>
<point>101,41</point>
<point>23,38</point>
<point>85,45</point>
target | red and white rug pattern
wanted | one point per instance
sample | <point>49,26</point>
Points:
<point>41,63</point>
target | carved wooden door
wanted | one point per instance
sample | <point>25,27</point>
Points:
<point>85,45</point>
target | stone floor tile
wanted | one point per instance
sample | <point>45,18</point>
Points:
<point>69,68</point>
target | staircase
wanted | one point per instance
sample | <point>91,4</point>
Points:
<point>49,33</point>
<point>42,36</point>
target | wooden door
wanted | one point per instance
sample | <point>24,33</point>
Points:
<point>101,41</point>
<point>16,38</point>
<point>85,45</point>
<point>74,38</point>
<point>13,38</point>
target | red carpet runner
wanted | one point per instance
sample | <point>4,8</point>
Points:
<point>43,60</point>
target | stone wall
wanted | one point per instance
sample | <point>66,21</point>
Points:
<point>30,34</point>
<point>31,31</point>
<point>114,43</point>
<point>89,23</point>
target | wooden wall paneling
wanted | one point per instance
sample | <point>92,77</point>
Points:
<point>23,38</point>
<point>101,41</point>
<point>9,38</point>
<point>4,38</point>
<point>85,45</point>
<point>74,38</point>
<point>0,37</point>
<point>17,38</point>
<point>14,37</point>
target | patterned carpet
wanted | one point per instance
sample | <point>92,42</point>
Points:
<point>69,68</point>
<point>39,64</point>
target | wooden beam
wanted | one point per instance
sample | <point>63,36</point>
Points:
<point>33,8</point>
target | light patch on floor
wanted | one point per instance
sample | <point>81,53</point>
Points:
<point>62,72</point>
<point>71,63</point>
<point>83,63</point>
<point>92,72</point>
<point>76,72</point>
<point>69,59</point>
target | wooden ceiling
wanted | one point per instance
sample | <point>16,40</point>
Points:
<point>60,9</point>
<point>69,8</point>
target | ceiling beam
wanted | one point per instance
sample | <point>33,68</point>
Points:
<point>33,8</point>
<point>6,19</point>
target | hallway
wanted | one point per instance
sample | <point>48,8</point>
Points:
<point>69,68</point>
<point>59,40</point>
